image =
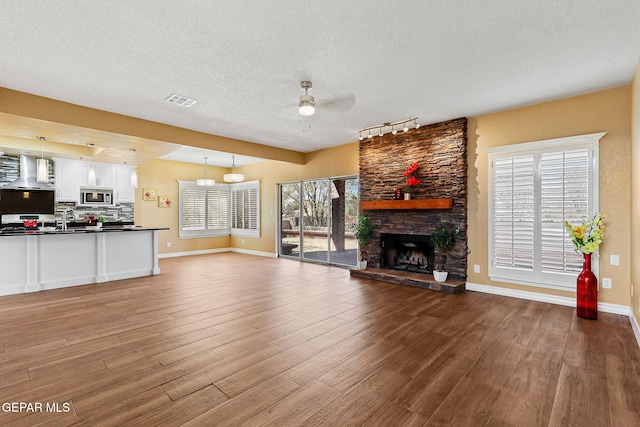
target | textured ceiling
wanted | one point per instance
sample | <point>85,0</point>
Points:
<point>370,61</point>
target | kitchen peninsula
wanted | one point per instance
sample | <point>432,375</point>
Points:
<point>36,260</point>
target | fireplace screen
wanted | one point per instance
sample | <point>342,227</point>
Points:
<point>407,252</point>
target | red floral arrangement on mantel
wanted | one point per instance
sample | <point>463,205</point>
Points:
<point>412,181</point>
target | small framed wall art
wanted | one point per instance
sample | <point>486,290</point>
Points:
<point>149,194</point>
<point>164,202</point>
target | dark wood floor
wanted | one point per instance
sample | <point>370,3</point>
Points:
<point>231,339</point>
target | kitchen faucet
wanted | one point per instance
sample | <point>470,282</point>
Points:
<point>64,217</point>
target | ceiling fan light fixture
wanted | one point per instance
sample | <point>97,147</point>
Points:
<point>306,107</point>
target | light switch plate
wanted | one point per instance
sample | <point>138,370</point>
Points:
<point>606,283</point>
<point>614,259</point>
<point>476,268</point>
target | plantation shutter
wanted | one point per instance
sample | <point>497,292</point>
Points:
<point>245,208</point>
<point>564,196</point>
<point>218,210</point>
<point>192,208</point>
<point>204,211</point>
<point>514,213</point>
<point>534,188</point>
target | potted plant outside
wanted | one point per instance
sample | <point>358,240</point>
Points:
<point>442,239</point>
<point>364,233</point>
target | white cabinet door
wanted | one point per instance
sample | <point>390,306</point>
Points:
<point>67,187</point>
<point>105,175</point>
<point>124,191</point>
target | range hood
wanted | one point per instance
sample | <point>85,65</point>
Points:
<point>27,180</point>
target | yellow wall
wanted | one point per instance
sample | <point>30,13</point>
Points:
<point>163,176</point>
<point>635,195</point>
<point>607,111</point>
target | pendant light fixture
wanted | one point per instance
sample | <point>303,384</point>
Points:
<point>205,182</point>
<point>42,174</point>
<point>233,177</point>
<point>134,177</point>
<point>91,177</point>
<point>134,172</point>
<point>306,107</point>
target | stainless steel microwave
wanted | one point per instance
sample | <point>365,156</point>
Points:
<point>89,196</point>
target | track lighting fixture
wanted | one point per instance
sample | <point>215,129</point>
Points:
<point>381,128</point>
<point>306,107</point>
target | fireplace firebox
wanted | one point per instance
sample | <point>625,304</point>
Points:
<point>408,252</point>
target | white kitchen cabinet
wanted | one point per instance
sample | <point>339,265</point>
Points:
<point>67,186</point>
<point>71,175</point>
<point>124,192</point>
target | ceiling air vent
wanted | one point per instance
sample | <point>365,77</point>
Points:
<point>181,100</point>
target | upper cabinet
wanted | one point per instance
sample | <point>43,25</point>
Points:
<point>124,192</point>
<point>71,175</point>
<point>67,186</point>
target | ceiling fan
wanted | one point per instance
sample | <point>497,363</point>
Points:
<point>307,103</point>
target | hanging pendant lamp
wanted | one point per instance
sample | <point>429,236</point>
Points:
<point>91,176</point>
<point>233,177</point>
<point>42,169</point>
<point>205,182</point>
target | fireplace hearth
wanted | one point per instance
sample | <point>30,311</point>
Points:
<point>407,252</point>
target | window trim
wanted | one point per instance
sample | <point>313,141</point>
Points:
<point>195,234</point>
<point>229,230</point>
<point>539,278</point>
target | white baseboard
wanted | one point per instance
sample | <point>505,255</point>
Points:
<point>553,299</point>
<point>216,251</point>
<point>189,253</point>
<point>250,252</point>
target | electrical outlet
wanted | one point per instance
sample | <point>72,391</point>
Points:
<point>476,268</point>
<point>614,259</point>
<point>632,290</point>
<point>243,241</point>
<point>168,244</point>
<point>606,283</point>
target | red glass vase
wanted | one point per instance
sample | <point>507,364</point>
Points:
<point>587,292</point>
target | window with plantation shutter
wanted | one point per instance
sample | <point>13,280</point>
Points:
<point>245,209</point>
<point>204,211</point>
<point>534,188</point>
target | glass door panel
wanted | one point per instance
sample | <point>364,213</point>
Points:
<point>343,249</point>
<point>290,220</point>
<point>315,220</point>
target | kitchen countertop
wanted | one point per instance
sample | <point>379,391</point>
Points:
<point>77,230</point>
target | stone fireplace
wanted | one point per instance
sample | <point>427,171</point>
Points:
<point>407,252</point>
<point>440,198</point>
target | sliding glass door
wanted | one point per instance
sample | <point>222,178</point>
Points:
<point>317,220</point>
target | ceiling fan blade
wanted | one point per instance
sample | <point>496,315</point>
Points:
<point>342,103</point>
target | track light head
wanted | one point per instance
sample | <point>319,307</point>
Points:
<point>416,124</point>
<point>361,137</point>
